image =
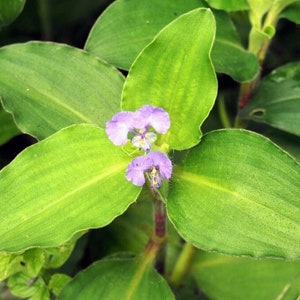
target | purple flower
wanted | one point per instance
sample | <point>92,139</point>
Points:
<point>155,163</point>
<point>139,124</point>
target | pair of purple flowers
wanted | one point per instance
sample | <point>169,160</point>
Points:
<point>140,127</point>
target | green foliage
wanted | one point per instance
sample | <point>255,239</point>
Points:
<point>67,207</point>
<point>133,24</point>
<point>229,5</point>
<point>133,278</point>
<point>40,89</point>
<point>277,100</point>
<point>78,182</point>
<point>8,127</point>
<point>228,54</point>
<point>9,10</point>
<point>231,203</point>
<point>237,277</point>
<point>182,76</point>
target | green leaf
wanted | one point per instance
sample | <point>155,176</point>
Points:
<point>292,13</point>
<point>227,277</point>
<point>228,54</point>
<point>10,264</point>
<point>50,86</point>
<point>7,125</point>
<point>58,282</point>
<point>126,27</point>
<point>24,286</point>
<point>258,9</point>
<point>289,142</point>
<point>70,182</point>
<point>229,5</point>
<point>9,10</point>
<point>118,279</point>
<point>34,260</point>
<point>133,24</point>
<point>277,100</point>
<point>238,193</point>
<point>175,72</point>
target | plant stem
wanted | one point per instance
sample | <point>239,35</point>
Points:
<point>223,113</point>
<point>45,18</point>
<point>182,265</point>
<point>159,216</point>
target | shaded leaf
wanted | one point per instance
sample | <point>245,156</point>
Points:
<point>292,13</point>
<point>70,182</point>
<point>133,24</point>
<point>228,54</point>
<point>8,127</point>
<point>277,100</point>
<point>227,278</point>
<point>58,282</point>
<point>237,193</point>
<point>50,86</point>
<point>229,5</point>
<point>175,72</point>
<point>9,10</point>
<point>126,27</point>
<point>118,279</point>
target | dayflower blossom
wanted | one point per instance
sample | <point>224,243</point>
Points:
<point>138,124</point>
<point>155,163</point>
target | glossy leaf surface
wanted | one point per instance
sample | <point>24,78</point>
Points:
<point>237,193</point>
<point>277,100</point>
<point>118,279</point>
<point>9,10</point>
<point>69,182</point>
<point>227,277</point>
<point>50,86</point>
<point>179,68</point>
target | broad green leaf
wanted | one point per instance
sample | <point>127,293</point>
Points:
<point>175,72</point>
<point>225,277</point>
<point>277,100</point>
<point>118,279</point>
<point>228,54</point>
<point>292,13</point>
<point>8,128</point>
<point>126,27</point>
<point>237,193</point>
<point>50,86</point>
<point>133,24</point>
<point>70,182</point>
<point>229,5</point>
<point>9,10</point>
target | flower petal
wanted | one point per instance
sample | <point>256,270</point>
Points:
<point>118,127</point>
<point>162,162</point>
<point>135,170</point>
<point>156,117</point>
